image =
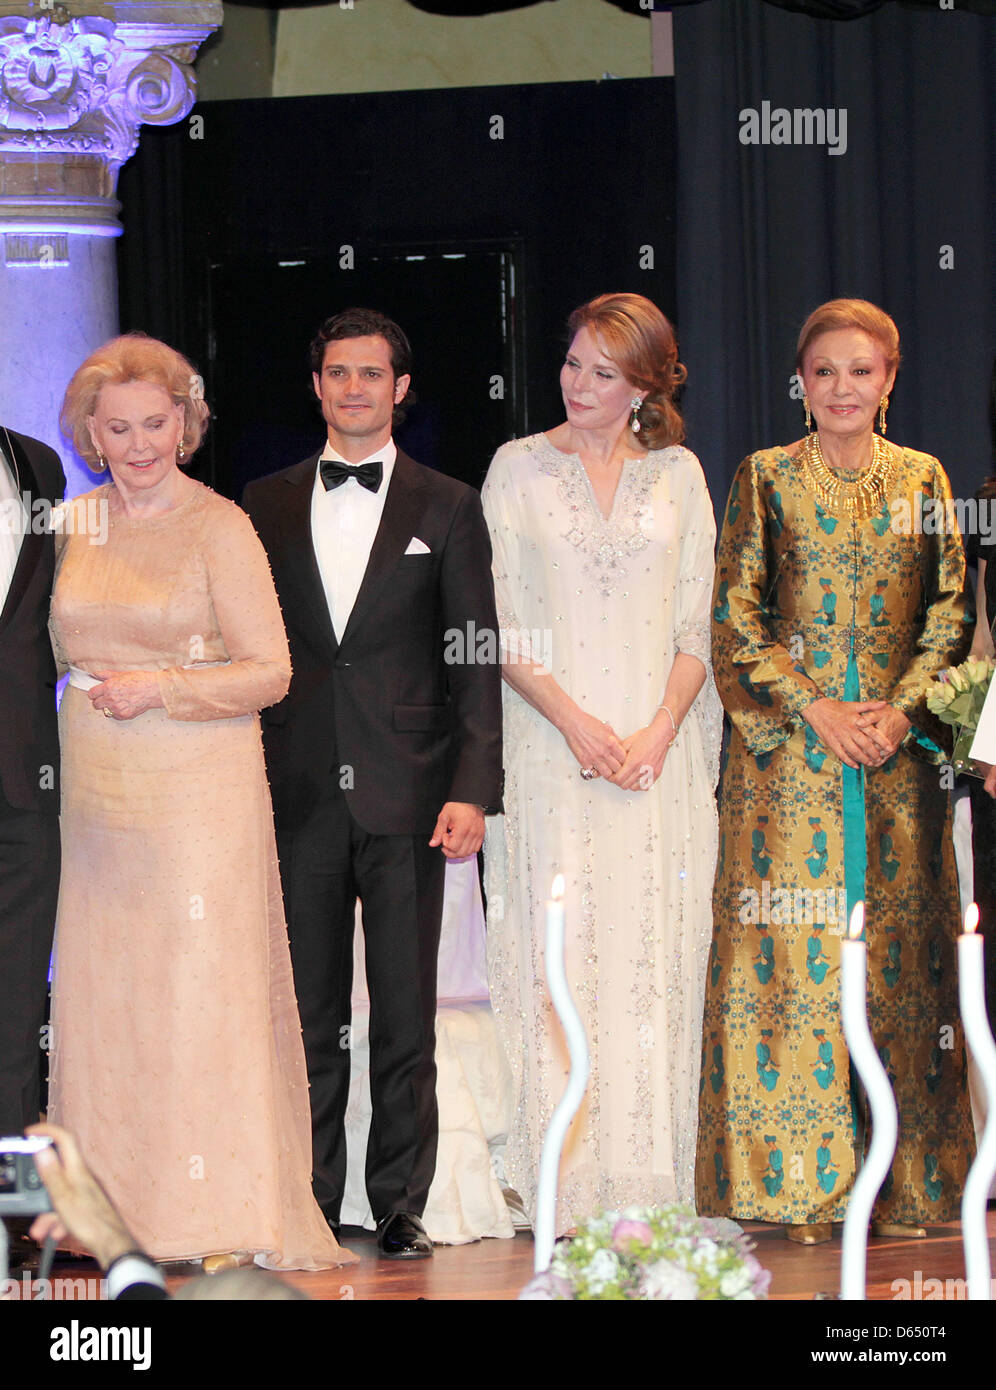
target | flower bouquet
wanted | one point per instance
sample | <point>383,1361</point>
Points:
<point>957,697</point>
<point>651,1253</point>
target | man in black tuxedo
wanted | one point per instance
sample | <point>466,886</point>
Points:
<point>383,759</point>
<point>31,480</point>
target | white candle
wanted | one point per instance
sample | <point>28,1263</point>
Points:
<point>577,1046</point>
<point>881,1101</point>
<point>972,999</point>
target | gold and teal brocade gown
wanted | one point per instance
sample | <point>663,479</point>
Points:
<point>810,603</point>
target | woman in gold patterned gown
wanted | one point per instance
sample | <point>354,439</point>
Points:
<point>835,602</point>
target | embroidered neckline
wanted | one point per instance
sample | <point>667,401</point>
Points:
<point>608,544</point>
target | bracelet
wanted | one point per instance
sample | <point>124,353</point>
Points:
<point>674,722</point>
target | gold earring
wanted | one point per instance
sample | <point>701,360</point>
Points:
<point>809,416</point>
<point>101,462</point>
<point>883,406</point>
<point>181,452</point>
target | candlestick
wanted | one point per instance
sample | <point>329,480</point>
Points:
<point>972,1000</point>
<point>881,1101</point>
<point>577,1046</point>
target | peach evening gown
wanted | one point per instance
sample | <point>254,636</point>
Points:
<point>177,1056</point>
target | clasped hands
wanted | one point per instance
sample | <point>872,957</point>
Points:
<point>626,762</point>
<point>861,733</point>
<point>125,694</point>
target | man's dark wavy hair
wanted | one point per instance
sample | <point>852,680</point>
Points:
<point>367,323</point>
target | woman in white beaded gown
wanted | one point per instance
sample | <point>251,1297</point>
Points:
<point>603,538</point>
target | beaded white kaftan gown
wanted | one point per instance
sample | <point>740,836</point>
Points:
<point>605,605</point>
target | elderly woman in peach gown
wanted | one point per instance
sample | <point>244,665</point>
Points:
<point>177,1054</point>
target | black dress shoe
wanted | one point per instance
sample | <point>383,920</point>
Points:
<point>401,1236</point>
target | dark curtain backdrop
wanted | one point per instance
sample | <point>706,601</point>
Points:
<point>580,184</point>
<point>765,233</point>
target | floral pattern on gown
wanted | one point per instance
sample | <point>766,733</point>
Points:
<point>605,604</point>
<point>177,1056</point>
<point>805,600</point>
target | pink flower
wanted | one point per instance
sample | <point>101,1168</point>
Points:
<point>760,1277</point>
<point>625,1231</point>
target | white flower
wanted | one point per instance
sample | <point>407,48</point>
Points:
<point>977,669</point>
<point>601,1270</point>
<point>705,1253</point>
<point>734,1282</point>
<point>667,1281</point>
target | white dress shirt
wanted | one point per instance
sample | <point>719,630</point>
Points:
<point>12,522</point>
<point>344,522</point>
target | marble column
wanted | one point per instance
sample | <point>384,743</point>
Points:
<point>76,83</point>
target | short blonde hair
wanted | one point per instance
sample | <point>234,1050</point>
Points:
<point>133,357</point>
<point>850,313</point>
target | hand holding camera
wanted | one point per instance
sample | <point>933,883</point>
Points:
<point>22,1191</point>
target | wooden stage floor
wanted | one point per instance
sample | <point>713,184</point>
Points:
<point>495,1270</point>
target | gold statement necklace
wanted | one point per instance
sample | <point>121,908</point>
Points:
<point>859,497</point>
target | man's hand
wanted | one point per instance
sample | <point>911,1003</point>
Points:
<point>459,829</point>
<point>82,1208</point>
<point>125,694</point>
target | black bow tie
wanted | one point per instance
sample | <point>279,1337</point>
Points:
<point>334,474</point>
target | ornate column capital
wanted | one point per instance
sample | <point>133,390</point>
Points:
<point>76,83</point>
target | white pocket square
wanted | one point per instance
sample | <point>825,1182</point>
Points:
<point>417,547</point>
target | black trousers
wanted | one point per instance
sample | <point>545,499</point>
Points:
<point>29,891</point>
<point>984,857</point>
<point>324,866</point>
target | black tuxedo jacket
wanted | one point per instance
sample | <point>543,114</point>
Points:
<point>403,728</point>
<point>29,734</point>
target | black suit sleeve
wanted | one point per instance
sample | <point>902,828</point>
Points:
<point>467,596</point>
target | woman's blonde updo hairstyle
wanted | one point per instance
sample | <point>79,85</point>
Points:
<point>641,342</point>
<point>133,357</point>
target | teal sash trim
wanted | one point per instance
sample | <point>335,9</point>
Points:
<point>855,842</point>
<point>926,742</point>
<point>855,867</point>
